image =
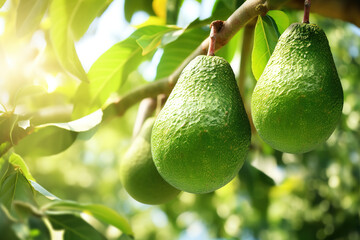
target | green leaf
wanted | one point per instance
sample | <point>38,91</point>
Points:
<point>4,147</point>
<point>4,167</point>
<point>100,212</point>
<point>75,227</point>
<point>265,39</point>
<point>62,14</point>
<point>83,124</point>
<point>258,185</point>
<point>106,75</point>
<point>131,6</point>
<point>281,19</point>
<point>248,172</point>
<point>2,2</point>
<point>85,13</point>
<point>16,187</point>
<point>176,51</point>
<point>56,137</point>
<point>17,161</point>
<point>149,37</point>
<point>29,15</point>
<point>224,8</point>
<point>46,141</point>
<point>43,191</point>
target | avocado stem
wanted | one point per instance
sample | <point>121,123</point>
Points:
<point>215,27</point>
<point>307,5</point>
<point>146,109</point>
<point>160,102</point>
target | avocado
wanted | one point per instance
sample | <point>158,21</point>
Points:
<point>202,135</point>
<point>138,173</point>
<point>297,102</point>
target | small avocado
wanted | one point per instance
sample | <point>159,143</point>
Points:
<point>297,102</point>
<point>202,135</point>
<point>138,173</point>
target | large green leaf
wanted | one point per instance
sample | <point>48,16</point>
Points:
<point>29,15</point>
<point>43,191</point>
<point>53,138</point>
<point>280,18</point>
<point>176,51</point>
<point>172,10</point>
<point>16,187</point>
<point>2,3</point>
<point>258,185</point>
<point>68,22</point>
<point>83,124</point>
<point>265,39</point>
<point>45,141</point>
<point>131,6</point>
<point>85,13</point>
<point>100,212</point>
<point>75,228</point>
<point>106,75</point>
<point>267,32</point>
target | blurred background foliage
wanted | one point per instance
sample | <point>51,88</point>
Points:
<point>275,196</point>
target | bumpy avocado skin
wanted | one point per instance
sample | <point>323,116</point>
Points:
<point>202,135</point>
<point>297,102</point>
<point>138,173</point>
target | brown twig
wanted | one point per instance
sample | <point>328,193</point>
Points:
<point>215,27</point>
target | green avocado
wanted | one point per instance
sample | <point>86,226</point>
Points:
<point>297,102</point>
<point>202,135</point>
<point>138,173</point>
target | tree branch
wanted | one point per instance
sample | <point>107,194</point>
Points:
<point>346,10</point>
<point>246,12</point>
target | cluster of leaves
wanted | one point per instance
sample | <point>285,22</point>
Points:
<point>23,218</point>
<point>41,125</point>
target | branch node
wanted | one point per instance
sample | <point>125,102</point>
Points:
<point>215,29</point>
<point>261,9</point>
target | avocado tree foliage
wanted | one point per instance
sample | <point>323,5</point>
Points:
<point>64,129</point>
